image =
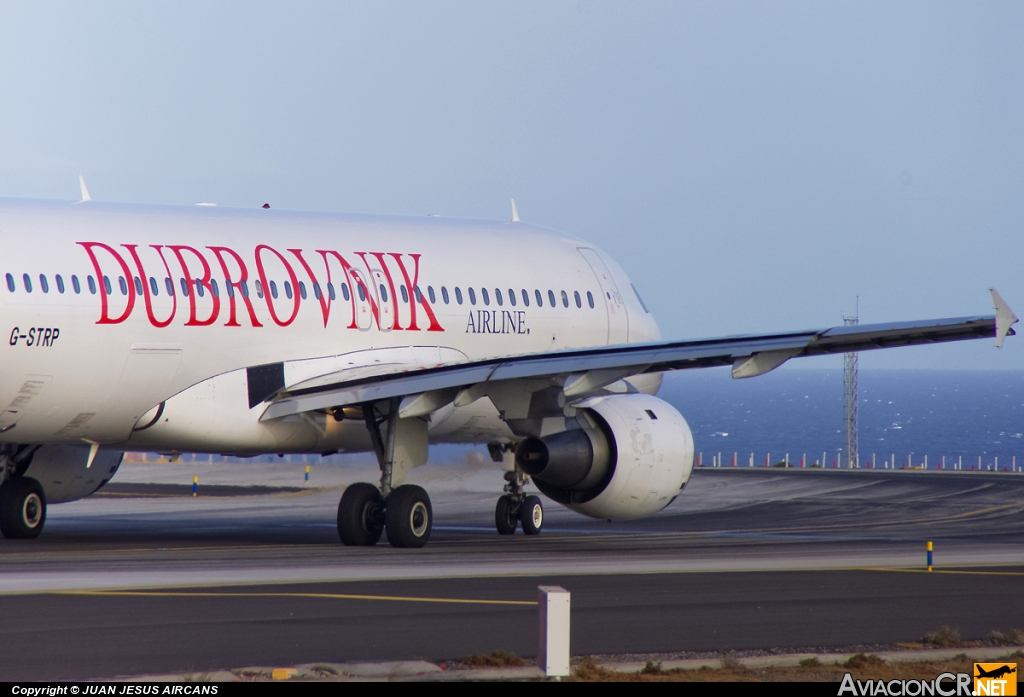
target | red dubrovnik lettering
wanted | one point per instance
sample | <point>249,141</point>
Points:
<point>105,317</point>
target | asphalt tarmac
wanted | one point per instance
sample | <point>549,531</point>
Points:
<point>148,579</point>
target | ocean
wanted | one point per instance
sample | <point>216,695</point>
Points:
<point>905,415</point>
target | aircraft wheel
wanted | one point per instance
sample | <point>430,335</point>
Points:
<point>22,508</point>
<point>505,517</point>
<point>408,517</point>
<point>531,513</point>
<point>360,523</point>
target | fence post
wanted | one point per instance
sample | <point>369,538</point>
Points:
<point>553,646</point>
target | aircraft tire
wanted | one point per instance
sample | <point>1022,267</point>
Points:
<point>359,519</point>
<point>22,508</point>
<point>408,517</point>
<point>531,514</point>
<point>504,519</point>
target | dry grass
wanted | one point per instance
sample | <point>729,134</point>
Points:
<point>861,666</point>
<point>498,659</point>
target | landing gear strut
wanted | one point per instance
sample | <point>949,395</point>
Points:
<point>403,510</point>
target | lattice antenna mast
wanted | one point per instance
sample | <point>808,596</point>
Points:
<point>850,397</point>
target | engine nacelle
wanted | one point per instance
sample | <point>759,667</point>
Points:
<point>62,471</point>
<point>629,458</point>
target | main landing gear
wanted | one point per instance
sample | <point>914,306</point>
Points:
<point>516,507</point>
<point>22,508</point>
<point>402,510</point>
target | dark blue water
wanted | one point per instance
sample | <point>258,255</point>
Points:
<point>909,414</point>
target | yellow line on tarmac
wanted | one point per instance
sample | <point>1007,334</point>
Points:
<point>941,571</point>
<point>325,596</point>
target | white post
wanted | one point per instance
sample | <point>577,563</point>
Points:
<point>872,461</point>
<point>787,460</point>
<point>823,459</point>
<point>943,462</point>
<point>926,462</point>
<point>960,462</point>
<point>751,459</point>
<point>997,463</point>
<point>553,646</point>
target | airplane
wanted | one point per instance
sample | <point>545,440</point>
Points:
<point>243,332</point>
<point>995,672</point>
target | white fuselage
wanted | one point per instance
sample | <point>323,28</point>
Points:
<point>95,340</point>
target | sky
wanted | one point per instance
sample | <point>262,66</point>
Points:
<point>754,167</point>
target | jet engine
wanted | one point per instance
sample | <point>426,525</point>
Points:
<point>624,456</point>
<point>63,474</point>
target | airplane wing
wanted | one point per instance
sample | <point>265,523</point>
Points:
<point>582,372</point>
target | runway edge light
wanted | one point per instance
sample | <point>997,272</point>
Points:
<point>929,555</point>
<point>553,644</point>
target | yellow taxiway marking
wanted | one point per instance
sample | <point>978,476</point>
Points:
<point>965,572</point>
<point>322,596</point>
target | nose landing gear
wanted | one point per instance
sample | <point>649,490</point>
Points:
<point>22,508</point>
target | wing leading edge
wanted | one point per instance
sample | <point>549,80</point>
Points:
<point>582,371</point>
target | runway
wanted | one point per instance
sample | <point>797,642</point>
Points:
<point>148,580</point>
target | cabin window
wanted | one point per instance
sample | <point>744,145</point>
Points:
<point>122,285</point>
<point>153,287</point>
<point>288,289</point>
<point>458,295</point>
<point>472,296</point>
<point>169,285</point>
<point>43,283</point>
<point>551,297</point>
<point>60,283</point>
<point>27,280</point>
<point>417,294</point>
<point>316,291</point>
<point>444,294</point>
<point>405,294</point>
<point>362,292</point>
<point>10,283</point>
<point>273,290</point>
<point>76,285</point>
<point>344,291</point>
<point>526,298</point>
<point>487,297</point>
<point>259,290</point>
<point>92,284</point>
<point>244,288</point>
<point>214,288</point>
<point>138,286</point>
<point>330,292</point>
<point>106,285</point>
<point>229,288</point>
<point>576,297</point>
<point>199,288</point>
<point>383,293</point>
<point>302,290</point>
<point>512,297</point>
<point>184,287</point>
<point>565,299</point>
<point>430,293</point>
<point>540,298</point>
<point>497,297</point>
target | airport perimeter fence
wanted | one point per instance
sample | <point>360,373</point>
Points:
<point>840,462</point>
